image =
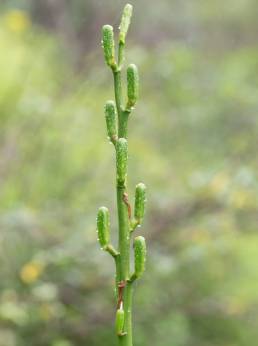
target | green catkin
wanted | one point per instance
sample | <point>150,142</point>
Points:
<point>132,85</point>
<point>121,159</point>
<point>120,320</point>
<point>103,226</point>
<point>117,116</point>
<point>139,203</point>
<point>111,120</point>
<point>108,45</point>
<point>139,256</point>
<point>125,22</point>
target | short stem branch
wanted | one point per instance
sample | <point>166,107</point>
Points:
<point>110,249</point>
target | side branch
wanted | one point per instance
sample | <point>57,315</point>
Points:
<point>110,249</point>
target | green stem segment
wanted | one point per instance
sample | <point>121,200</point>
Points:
<point>124,239</point>
<point>122,114</point>
<point>127,338</point>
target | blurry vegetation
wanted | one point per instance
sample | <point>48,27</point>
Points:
<point>196,135</point>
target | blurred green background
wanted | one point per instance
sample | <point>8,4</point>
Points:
<point>193,141</point>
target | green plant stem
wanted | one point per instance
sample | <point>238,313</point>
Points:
<point>124,225</point>
<point>122,115</point>
<point>121,49</point>
<point>123,125</point>
<point>124,249</point>
<point>127,340</point>
<point>118,273</point>
<point>124,239</point>
<point>118,92</point>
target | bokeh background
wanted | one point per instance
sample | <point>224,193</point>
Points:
<point>193,141</point>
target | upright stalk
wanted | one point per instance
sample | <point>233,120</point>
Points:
<point>117,116</point>
<point>124,240</point>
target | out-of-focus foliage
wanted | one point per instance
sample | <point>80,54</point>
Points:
<point>194,130</point>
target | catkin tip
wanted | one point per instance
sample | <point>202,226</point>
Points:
<point>125,22</point>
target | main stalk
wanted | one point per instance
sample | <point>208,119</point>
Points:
<point>117,115</point>
<point>123,214</point>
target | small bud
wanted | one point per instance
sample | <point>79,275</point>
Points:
<point>132,85</point>
<point>139,202</point>
<point>121,159</point>
<point>103,225</point>
<point>108,45</point>
<point>125,22</point>
<point>139,256</point>
<point>110,113</point>
<point>120,320</point>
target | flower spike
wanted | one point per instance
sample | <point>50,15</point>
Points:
<point>139,257</point>
<point>132,85</point>
<point>125,22</point>
<point>139,204</point>
<point>108,45</point>
<point>121,159</point>
<point>111,120</point>
<point>103,226</point>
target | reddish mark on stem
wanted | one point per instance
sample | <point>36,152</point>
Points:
<point>121,286</point>
<point>126,201</point>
